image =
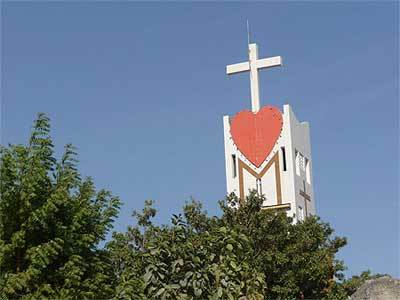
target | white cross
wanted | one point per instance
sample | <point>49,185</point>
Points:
<point>253,65</point>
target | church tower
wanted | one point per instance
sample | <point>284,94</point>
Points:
<point>268,150</point>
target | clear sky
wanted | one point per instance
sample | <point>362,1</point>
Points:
<point>141,89</point>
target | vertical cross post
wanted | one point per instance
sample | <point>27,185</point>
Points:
<point>254,85</point>
<point>253,65</point>
<point>306,197</point>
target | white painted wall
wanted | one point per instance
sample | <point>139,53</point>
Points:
<point>295,136</point>
<point>300,141</point>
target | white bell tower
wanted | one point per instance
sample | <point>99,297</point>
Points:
<point>268,150</point>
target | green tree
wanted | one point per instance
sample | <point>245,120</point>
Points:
<point>247,253</point>
<point>298,260</point>
<point>51,223</point>
<point>181,262</point>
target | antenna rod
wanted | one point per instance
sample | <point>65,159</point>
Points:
<point>248,33</point>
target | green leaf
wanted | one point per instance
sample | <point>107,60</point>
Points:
<point>160,292</point>
<point>233,264</point>
<point>197,292</point>
<point>147,276</point>
<point>219,292</point>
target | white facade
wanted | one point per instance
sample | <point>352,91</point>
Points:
<point>285,177</point>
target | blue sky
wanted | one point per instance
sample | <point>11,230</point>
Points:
<point>140,89</point>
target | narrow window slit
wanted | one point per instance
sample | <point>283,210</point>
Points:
<point>259,186</point>
<point>234,173</point>
<point>284,158</point>
<point>308,175</point>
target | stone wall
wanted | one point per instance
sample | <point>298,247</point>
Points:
<point>382,288</point>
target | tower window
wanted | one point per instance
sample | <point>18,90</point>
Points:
<point>308,175</point>
<point>234,173</point>
<point>297,163</point>
<point>259,186</point>
<point>284,158</point>
<point>302,163</point>
<point>300,212</point>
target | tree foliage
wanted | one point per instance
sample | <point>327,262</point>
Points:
<point>52,222</point>
<point>246,253</point>
<point>180,261</point>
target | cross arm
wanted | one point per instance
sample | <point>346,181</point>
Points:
<point>307,197</point>
<point>269,62</point>
<point>237,68</point>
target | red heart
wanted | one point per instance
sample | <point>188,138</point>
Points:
<point>255,134</point>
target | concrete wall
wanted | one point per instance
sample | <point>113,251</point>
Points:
<point>300,142</point>
<point>295,137</point>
